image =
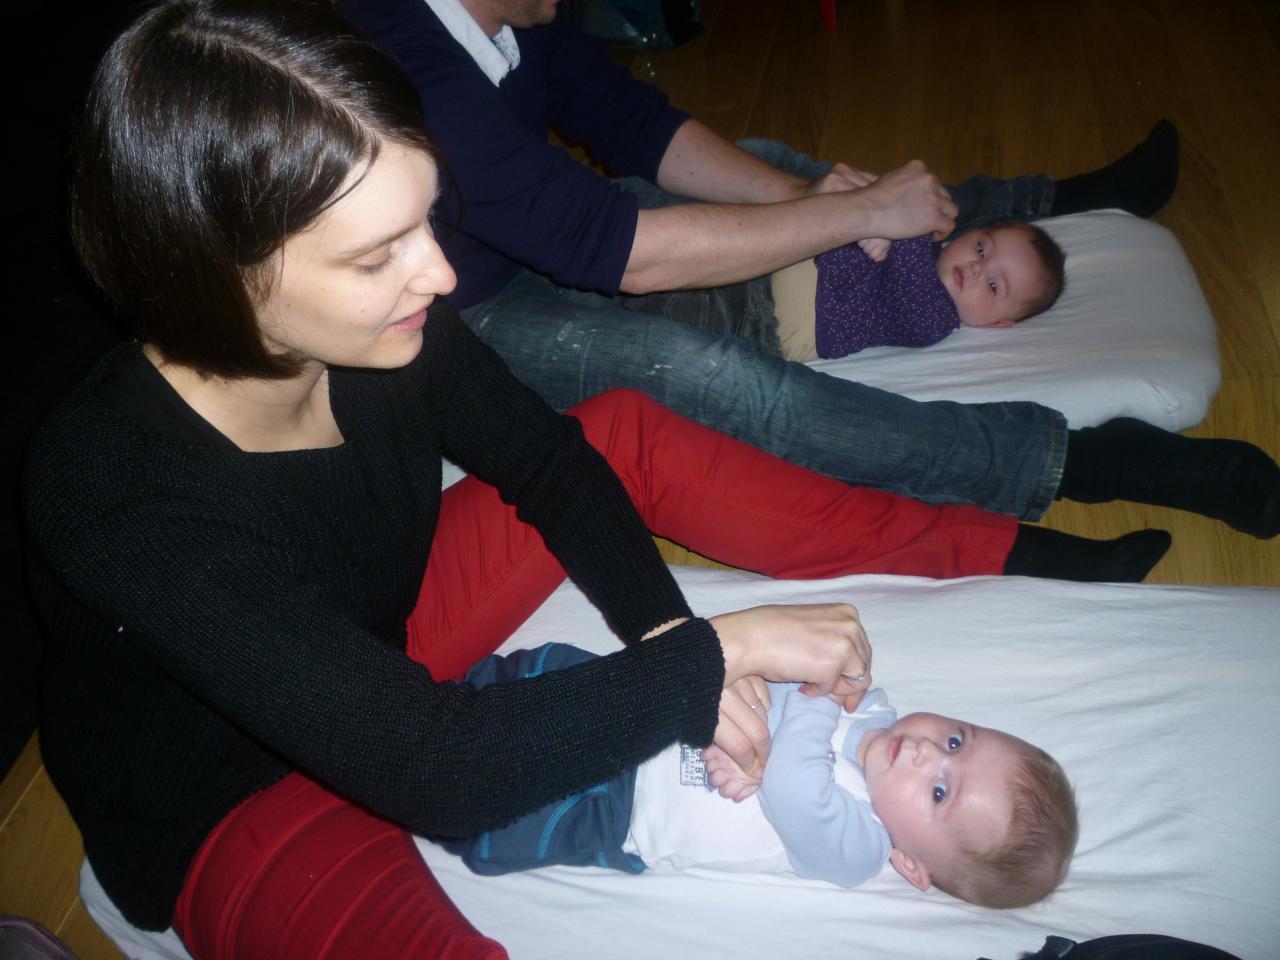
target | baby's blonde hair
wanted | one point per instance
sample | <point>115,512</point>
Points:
<point>1036,851</point>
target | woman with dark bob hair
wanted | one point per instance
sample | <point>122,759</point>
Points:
<point>257,598</point>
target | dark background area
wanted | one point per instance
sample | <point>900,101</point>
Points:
<point>56,325</point>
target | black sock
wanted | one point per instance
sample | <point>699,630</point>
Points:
<point>1228,480</point>
<point>1141,182</point>
<point>1040,552</point>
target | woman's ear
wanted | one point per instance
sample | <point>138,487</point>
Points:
<point>911,868</point>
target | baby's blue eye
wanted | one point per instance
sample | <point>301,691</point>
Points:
<point>955,741</point>
<point>982,251</point>
<point>992,285</point>
<point>939,792</point>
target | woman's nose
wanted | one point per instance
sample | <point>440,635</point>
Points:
<point>433,274</point>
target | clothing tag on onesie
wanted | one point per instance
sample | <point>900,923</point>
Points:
<point>693,772</point>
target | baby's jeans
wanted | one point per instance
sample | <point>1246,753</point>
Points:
<point>584,829</point>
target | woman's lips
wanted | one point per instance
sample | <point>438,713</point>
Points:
<point>415,321</point>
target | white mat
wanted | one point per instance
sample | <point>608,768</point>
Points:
<point>1159,701</point>
<point>1131,336</point>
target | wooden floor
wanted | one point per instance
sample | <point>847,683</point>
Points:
<point>1000,86</point>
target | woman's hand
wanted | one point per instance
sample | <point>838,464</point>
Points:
<point>743,730</point>
<point>821,645</point>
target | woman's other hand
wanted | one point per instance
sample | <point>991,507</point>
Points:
<point>742,733</point>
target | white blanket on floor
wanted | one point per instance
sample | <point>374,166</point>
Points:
<point>1131,336</point>
<point>1159,701</point>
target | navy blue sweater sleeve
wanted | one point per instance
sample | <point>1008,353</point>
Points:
<point>512,199</point>
<point>625,125</point>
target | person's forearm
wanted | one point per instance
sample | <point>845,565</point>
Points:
<point>702,165</point>
<point>711,244</point>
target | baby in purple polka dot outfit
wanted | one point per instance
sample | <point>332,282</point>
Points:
<point>912,293</point>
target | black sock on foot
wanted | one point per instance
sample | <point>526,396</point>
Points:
<point>1141,182</point>
<point>1125,459</point>
<point>1040,552</point>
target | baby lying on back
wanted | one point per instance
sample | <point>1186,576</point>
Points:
<point>916,293</point>
<point>973,811</point>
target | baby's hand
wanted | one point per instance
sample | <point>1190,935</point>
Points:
<point>875,248</point>
<point>850,703</point>
<point>727,776</point>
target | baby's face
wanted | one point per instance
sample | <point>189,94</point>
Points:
<point>940,785</point>
<point>992,275</point>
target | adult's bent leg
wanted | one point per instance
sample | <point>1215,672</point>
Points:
<point>569,346</point>
<point>296,871</point>
<point>488,571</point>
<point>732,502</point>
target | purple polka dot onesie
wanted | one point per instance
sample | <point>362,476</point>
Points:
<point>899,302</point>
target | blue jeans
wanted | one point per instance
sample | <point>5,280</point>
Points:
<point>569,345</point>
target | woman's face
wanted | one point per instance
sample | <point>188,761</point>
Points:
<point>353,288</point>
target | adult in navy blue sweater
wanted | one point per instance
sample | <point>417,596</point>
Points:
<point>546,252</point>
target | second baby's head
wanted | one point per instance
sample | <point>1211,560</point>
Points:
<point>1002,274</point>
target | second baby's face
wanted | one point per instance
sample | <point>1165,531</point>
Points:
<point>992,275</point>
<point>940,786</point>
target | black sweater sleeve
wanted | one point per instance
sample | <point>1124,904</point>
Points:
<point>500,430</point>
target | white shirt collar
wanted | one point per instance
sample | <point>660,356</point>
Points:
<point>496,56</point>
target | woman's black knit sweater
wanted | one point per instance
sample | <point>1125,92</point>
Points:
<point>217,618</point>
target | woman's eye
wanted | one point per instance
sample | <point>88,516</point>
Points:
<point>955,741</point>
<point>939,792</point>
<point>378,266</point>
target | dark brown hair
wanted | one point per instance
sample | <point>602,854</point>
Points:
<point>1052,259</point>
<point>215,130</point>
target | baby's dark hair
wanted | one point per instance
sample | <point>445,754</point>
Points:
<point>1052,259</point>
<point>1035,853</point>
